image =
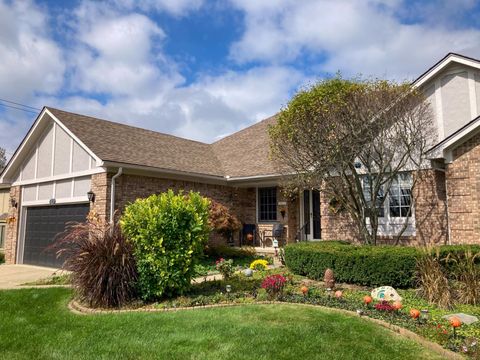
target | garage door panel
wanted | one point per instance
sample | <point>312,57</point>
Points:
<point>43,224</point>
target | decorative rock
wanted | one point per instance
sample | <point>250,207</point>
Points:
<point>386,293</point>
<point>464,318</point>
<point>248,272</point>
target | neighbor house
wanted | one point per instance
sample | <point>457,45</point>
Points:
<point>4,205</point>
<point>70,164</point>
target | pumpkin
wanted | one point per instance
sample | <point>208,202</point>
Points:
<point>397,305</point>
<point>249,237</point>
<point>414,313</point>
<point>304,290</point>
<point>455,322</point>
<point>367,299</point>
<point>338,294</point>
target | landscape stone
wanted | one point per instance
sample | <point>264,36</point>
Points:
<point>464,318</point>
<point>386,293</point>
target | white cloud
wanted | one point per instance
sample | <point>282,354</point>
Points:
<point>355,36</point>
<point>174,7</point>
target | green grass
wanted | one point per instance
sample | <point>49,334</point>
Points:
<point>63,279</point>
<point>35,323</point>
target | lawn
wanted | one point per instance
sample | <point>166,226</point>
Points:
<point>35,323</point>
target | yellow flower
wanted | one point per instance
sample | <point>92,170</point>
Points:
<point>259,264</point>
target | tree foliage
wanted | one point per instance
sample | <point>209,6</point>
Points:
<point>222,220</point>
<point>3,159</point>
<point>339,134</point>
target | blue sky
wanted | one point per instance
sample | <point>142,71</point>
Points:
<point>203,69</point>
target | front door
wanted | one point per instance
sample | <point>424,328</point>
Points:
<point>310,215</point>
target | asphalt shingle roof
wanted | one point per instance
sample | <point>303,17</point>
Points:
<point>244,153</point>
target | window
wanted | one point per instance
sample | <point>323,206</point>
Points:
<point>368,198</point>
<point>267,204</point>
<point>399,196</point>
<point>2,235</point>
<point>398,202</point>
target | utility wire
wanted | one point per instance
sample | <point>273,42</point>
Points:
<point>15,103</point>
<point>18,106</point>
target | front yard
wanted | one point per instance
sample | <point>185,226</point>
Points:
<point>40,326</point>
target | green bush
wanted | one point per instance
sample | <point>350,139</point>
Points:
<point>361,265</point>
<point>168,233</point>
<point>2,257</point>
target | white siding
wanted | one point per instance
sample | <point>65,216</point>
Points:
<point>45,191</point>
<point>44,167</point>
<point>63,189</point>
<point>62,152</point>
<point>29,193</point>
<point>28,171</point>
<point>455,101</point>
<point>477,89</point>
<point>81,186</point>
<point>81,159</point>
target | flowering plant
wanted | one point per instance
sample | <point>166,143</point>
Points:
<point>274,285</point>
<point>225,267</point>
<point>259,264</point>
<point>384,306</point>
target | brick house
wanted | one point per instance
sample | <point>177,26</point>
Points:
<point>69,164</point>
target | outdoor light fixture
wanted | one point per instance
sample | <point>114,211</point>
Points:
<point>13,202</point>
<point>424,315</point>
<point>228,288</point>
<point>91,196</point>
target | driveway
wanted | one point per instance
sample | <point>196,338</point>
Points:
<point>12,276</point>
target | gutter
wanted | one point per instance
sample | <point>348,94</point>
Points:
<point>112,194</point>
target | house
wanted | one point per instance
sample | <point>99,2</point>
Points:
<point>69,164</point>
<point>4,199</point>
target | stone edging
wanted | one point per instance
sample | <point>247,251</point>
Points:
<point>77,308</point>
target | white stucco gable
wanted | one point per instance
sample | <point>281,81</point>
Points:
<point>49,152</point>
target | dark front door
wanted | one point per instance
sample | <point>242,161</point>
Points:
<point>42,226</point>
<point>311,220</point>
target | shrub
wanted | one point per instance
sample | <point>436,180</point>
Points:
<point>229,252</point>
<point>274,285</point>
<point>168,233</point>
<point>259,264</point>
<point>225,267</point>
<point>362,265</point>
<point>222,220</point>
<point>102,266</point>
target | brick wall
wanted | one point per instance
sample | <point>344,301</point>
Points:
<point>430,215</point>
<point>463,187</point>
<point>12,227</point>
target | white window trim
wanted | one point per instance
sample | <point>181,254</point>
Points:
<point>389,225</point>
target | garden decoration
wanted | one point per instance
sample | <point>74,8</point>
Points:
<point>424,315</point>
<point>397,305</point>
<point>386,293</point>
<point>248,272</point>
<point>329,279</point>
<point>414,314</point>
<point>304,290</point>
<point>338,294</point>
<point>455,322</point>
<point>367,300</point>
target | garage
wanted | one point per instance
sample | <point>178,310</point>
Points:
<point>42,224</point>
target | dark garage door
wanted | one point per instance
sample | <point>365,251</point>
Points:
<point>42,225</point>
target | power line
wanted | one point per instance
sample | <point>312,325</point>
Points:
<point>15,103</point>
<point>18,108</point>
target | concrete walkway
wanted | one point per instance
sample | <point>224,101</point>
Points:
<point>12,276</point>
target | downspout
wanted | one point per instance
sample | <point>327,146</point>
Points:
<point>449,242</point>
<point>112,194</point>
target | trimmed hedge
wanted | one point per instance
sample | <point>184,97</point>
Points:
<point>361,265</point>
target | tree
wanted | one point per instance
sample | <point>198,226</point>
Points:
<point>3,159</point>
<point>352,139</point>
